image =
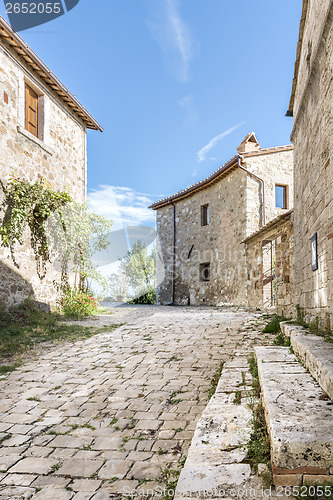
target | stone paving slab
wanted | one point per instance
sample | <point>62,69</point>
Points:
<point>116,410</point>
<point>316,354</point>
<point>299,420</point>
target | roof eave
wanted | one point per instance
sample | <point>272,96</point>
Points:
<point>270,225</point>
<point>24,51</point>
<point>298,57</point>
<point>198,186</point>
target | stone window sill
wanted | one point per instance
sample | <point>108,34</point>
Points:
<point>34,139</point>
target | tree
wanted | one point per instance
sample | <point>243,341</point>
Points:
<point>139,266</point>
<point>74,236</point>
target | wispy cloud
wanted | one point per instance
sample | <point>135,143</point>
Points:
<point>191,117</point>
<point>174,37</point>
<point>202,153</point>
<point>123,205</point>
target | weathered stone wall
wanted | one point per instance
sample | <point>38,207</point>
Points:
<point>282,237</point>
<point>235,208</point>
<point>273,168</point>
<point>216,243</point>
<point>313,145</point>
<point>60,157</point>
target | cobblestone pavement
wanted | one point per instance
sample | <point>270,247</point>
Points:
<point>108,415</point>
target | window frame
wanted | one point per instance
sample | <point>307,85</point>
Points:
<point>39,99</point>
<point>203,267</point>
<point>205,214</point>
<point>285,196</point>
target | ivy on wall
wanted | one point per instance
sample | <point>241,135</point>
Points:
<point>62,232</point>
<point>30,204</point>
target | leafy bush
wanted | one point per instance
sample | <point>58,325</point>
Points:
<point>147,298</point>
<point>274,325</point>
<point>75,304</point>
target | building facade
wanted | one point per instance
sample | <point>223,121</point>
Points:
<point>200,255</point>
<point>42,135</point>
<point>270,266</point>
<point>312,137</point>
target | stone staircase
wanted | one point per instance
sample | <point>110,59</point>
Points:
<point>299,412</point>
<point>315,354</point>
<point>299,417</point>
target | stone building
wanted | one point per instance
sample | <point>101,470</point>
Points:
<point>200,254</point>
<point>312,137</point>
<point>270,265</point>
<point>42,134</point>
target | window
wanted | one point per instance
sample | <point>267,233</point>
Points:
<point>205,215</point>
<point>281,200</point>
<point>205,271</point>
<point>31,111</point>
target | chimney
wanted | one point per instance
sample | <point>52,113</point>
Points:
<point>249,144</point>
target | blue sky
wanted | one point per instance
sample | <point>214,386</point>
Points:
<point>176,84</point>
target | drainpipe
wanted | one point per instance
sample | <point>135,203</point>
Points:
<point>239,159</point>
<point>174,254</point>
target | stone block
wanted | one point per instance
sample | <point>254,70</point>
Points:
<point>317,480</point>
<point>33,465</point>
<point>79,468</point>
<point>115,468</point>
<point>287,480</point>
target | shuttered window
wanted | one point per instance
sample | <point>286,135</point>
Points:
<point>31,110</point>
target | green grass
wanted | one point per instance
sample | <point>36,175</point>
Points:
<point>281,340</point>
<point>215,380</point>
<point>254,372</point>
<point>274,324</point>
<point>8,368</point>
<point>238,398</point>
<point>259,444</point>
<point>24,327</point>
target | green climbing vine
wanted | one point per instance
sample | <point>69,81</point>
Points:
<point>62,232</point>
<point>30,204</point>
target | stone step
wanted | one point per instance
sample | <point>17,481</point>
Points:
<point>315,354</point>
<point>299,419</point>
<point>214,462</point>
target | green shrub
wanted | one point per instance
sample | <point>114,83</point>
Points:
<point>147,298</point>
<point>274,325</point>
<point>75,304</point>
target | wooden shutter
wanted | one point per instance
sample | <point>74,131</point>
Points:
<point>31,110</point>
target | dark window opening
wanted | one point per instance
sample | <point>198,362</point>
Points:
<point>205,271</point>
<point>205,215</point>
<point>281,200</point>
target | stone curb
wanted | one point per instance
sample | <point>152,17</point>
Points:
<point>299,420</point>
<point>314,353</point>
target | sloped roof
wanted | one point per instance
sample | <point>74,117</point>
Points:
<point>218,174</point>
<point>275,222</point>
<point>298,57</point>
<point>9,37</point>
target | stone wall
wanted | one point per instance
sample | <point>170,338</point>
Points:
<point>235,209</point>
<point>217,244</point>
<point>60,157</point>
<point>273,168</point>
<point>281,239</point>
<point>313,145</point>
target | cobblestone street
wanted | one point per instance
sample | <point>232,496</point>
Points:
<point>107,415</point>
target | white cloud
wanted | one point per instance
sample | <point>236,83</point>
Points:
<point>190,118</point>
<point>202,154</point>
<point>173,36</point>
<point>123,205</point>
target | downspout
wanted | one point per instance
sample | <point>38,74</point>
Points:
<point>174,254</point>
<point>239,159</point>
